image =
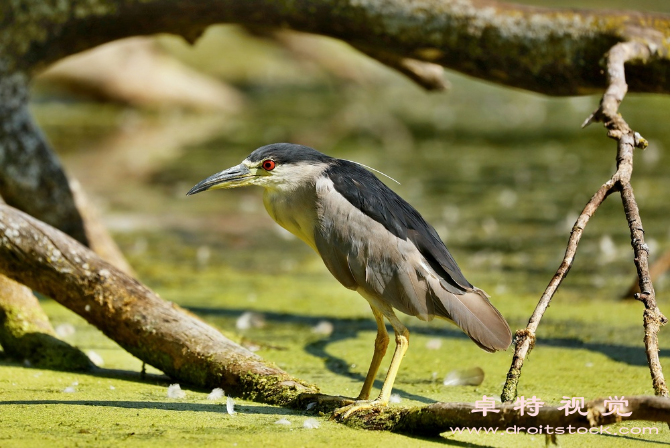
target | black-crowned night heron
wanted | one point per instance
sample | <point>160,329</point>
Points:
<point>373,242</point>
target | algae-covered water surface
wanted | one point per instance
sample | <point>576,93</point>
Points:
<point>500,174</point>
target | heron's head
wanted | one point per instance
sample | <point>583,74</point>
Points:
<point>280,165</point>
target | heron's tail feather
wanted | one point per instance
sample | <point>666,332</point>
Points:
<point>475,315</point>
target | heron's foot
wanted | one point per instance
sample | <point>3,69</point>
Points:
<point>323,402</point>
<point>359,405</point>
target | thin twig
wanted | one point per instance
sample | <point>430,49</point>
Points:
<point>525,339</point>
<point>627,141</point>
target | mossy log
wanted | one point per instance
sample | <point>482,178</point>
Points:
<point>157,332</point>
<point>438,418</point>
<point>27,335</point>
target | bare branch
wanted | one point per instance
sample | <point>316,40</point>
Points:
<point>627,141</point>
<point>525,339</point>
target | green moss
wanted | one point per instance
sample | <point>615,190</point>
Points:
<point>26,335</point>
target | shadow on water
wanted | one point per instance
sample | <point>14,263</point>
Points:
<point>348,328</point>
<point>157,405</point>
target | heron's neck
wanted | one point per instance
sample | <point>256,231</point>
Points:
<point>294,210</point>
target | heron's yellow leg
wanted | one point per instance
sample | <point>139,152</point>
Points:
<point>401,346</point>
<point>381,342</point>
<point>402,343</point>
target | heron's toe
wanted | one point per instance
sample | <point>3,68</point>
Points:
<point>360,405</point>
<point>323,402</point>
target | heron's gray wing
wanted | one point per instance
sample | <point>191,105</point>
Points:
<point>370,236</point>
<point>363,255</point>
<point>367,193</point>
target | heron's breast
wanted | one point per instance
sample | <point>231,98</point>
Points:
<point>295,212</point>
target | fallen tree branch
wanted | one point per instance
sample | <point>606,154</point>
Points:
<point>157,332</point>
<point>627,141</point>
<point>442,417</point>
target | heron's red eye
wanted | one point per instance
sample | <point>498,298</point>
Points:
<point>269,165</point>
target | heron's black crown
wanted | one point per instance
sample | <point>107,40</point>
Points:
<point>288,153</point>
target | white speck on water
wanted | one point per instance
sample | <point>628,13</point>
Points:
<point>588,364</point>
<point>230,405</point>
<point>282,421</point>
<point>37,375</point>
<point>65,330</point>
<point>112,388</point>
<point>311,423</point>
<point>324,327</point>
<point>87,308</point>
<point>434,344</point>
<point>216,394</point>
<point>202,256</point>
<point>174,391</point>
<point>75,383</point>
<point>95,358</point>
<point>249,320</point>
<point>395,398</point>
<point>69,390</point>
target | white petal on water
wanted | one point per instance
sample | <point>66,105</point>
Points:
<point>311,423</point>
<point>216,394</point>
<point>112,387</point>
<point>466,377</point>
<point>282,421</point>
<point>69,390</point>
<point>95,358</point>
<point>434,344</point>
<point>395,398</point>
<point>323,327</point>
<point>230,405</point>
<point>75,383</point>
<point>174,391</point>
<point>250,319</point>
<point>65,330</point>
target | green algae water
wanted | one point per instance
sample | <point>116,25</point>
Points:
<point>500,174</point>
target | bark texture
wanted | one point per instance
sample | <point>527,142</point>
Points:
<point>551,51</point>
